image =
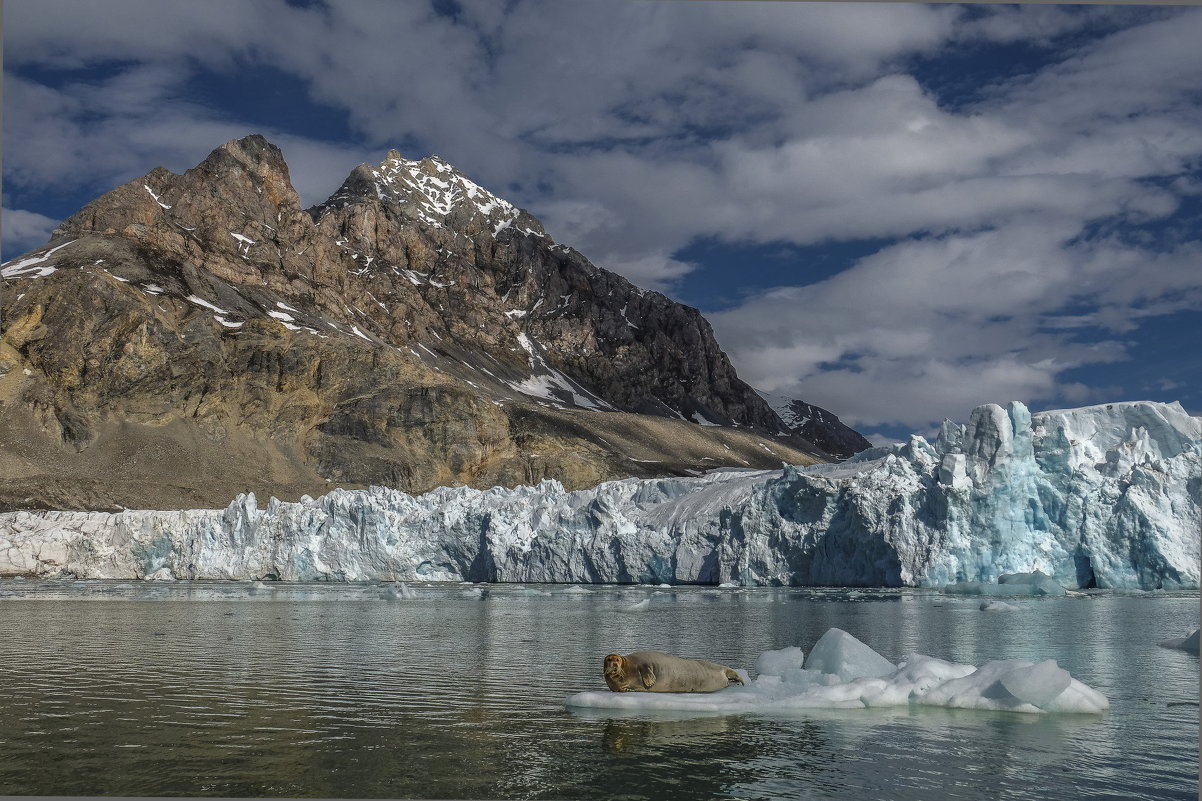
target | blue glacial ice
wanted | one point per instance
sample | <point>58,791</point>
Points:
<point>844,673</point>
<point>1104,496</point>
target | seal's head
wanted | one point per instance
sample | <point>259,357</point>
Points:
<point>616,674</point>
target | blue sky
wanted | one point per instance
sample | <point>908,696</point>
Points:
<point>895,211</point>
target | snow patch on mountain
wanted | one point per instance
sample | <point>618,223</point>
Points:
<point>434,190</point>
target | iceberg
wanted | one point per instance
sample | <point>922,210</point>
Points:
<point>1033,583</point>
<point>865,679</point>
<point>1104,496</point>
<point>1188,643</point>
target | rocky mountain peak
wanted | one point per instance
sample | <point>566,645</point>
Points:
<point>433,193</point>
<point>239,196</point>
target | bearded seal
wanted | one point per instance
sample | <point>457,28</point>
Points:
<point>657,672</point>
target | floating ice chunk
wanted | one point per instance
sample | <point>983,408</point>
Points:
<point>393,592</point>
<point>1034,583</point>
<point>1042,583</point>
<point>1017,686</point>
<point>1189,643</point>
<point>997,606</point>
<point>784,687</point>
<point>843,655</point>
<point>640,606</point>
<point>1037,684</point>
<point>776,663</point>
<point>576,589</point>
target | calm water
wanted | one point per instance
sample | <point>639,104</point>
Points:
<point>332,691</point>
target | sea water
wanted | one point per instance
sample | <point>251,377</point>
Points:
<point>457,691</point>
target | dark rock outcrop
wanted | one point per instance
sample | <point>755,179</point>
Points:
<point>817,425</point>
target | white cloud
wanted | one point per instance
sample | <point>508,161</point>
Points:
<point>932,327</point>
<point>24,230</point>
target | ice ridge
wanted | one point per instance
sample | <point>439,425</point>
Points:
<point>1104,496</point>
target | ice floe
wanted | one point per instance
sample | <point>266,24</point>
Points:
<point>844,673</point>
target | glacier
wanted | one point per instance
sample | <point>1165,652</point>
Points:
<point>1104,496</point>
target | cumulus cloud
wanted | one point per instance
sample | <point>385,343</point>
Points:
<point>929,328</point>
<point>24,230</point>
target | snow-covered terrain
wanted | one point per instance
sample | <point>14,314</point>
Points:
<point>843,673</point>
<point>1103,496</point>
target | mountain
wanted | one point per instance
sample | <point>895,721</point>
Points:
<point>1104,496</point>
<point>184,338</point>
<point>817,425</point>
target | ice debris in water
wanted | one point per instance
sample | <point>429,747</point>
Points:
<point>396,591</point>
<point>1033,583</point>
<point>843,672</point>
<point>997,606</point>
<point>1189,643</point>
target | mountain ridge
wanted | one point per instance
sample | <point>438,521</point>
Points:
<point>413,330</point>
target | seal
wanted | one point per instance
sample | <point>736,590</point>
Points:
<point>657,672</point>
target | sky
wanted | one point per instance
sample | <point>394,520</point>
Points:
<point>894,211</point>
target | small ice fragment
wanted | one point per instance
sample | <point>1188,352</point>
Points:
<point>393,592</point>
<point>640,606</point>
<point>997,606</point>
<point>1040,582</point>
<point>843,655</point>
<point>775,663</point>
<point>1189,643</point>
<point>1038,684</point>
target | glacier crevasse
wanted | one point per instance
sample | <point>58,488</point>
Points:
<point>1104,496</point>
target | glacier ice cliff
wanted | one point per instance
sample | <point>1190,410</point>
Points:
<point>1104,496</point>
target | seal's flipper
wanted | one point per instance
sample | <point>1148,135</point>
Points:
<point>647,676</point>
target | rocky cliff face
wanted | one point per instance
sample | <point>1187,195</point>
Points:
<point>186,337</point>
<point>817,425</point>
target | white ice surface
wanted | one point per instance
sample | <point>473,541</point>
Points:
<point>780,687</point>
